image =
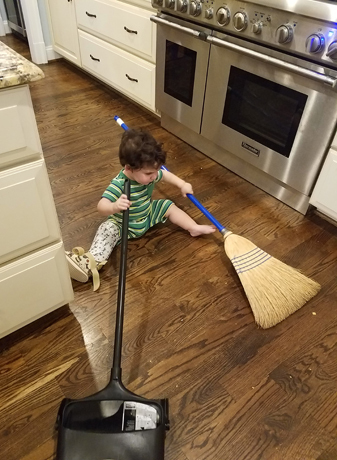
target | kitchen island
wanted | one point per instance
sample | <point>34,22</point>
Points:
<point>34,278</point>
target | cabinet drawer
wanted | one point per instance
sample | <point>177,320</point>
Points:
<point>19,137</point>
<point>121,24</point>
<point>32,287</point>
<point>28,216</point>
<point>129,74</point>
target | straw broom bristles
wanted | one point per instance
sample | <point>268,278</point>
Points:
<point>274,290</point>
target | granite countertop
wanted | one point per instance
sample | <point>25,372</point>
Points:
<point>15,69</point>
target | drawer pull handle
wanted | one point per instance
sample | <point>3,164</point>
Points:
<point>130,31</point>
<point>90,15</point>
<point>94,59</point>
<point>131,79</point>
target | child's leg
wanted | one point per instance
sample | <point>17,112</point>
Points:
<point>106,238</point>
<point>83,265</point>
<point>179,217</point>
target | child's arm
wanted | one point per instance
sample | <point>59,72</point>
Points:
<point>172,179</point>
<point>106,207</point>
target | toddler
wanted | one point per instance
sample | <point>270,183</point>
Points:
<point>141,157</point>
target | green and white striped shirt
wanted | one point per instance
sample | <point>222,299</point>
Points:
<point>143,212</point>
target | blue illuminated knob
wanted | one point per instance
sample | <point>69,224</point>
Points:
<point>315,43</point>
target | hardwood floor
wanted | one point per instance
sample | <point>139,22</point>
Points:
<point>236,392</point>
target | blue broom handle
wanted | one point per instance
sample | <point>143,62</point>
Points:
<point>191,197</point>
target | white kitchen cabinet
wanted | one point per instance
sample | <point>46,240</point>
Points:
<point>19,138</point>
<point>123,25</point>
<point>62,19</point>
<point>130,75</point>
<point>117,45</point>
<point>122,36</point>
<point>29,221</point>
<point>33,286</point>
<point>34,276</point>
<point>324,196</point>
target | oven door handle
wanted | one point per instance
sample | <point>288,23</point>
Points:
<point>186,30</point>
<point>331,81</point>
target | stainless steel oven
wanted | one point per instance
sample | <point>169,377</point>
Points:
<point>252,87</point>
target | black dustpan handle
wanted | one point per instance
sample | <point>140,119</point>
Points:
<point>116,372</point>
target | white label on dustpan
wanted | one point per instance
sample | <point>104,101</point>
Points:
<point>139,416</point>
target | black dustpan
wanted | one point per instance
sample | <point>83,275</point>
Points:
<point>113,424</point>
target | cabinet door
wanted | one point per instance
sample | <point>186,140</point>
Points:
<point>324,196</point>
<point>32,287</point>
<point>28,216</point>
<point>63,24</point>
<point>19,137</point>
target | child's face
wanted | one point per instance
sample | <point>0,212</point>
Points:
<point>143,175</point>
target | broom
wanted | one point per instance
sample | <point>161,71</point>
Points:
<point>274,289</point>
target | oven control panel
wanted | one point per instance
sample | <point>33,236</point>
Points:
<point>313,38</point>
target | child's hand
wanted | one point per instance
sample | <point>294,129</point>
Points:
<point>186,188</point>
<point>122,203</point>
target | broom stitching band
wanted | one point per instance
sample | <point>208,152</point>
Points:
<point>251,266</point>
<point>248,256</point>
<point>250,260</point>
<point>243,260</point>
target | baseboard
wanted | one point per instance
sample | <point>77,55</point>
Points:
<point>51,54</point>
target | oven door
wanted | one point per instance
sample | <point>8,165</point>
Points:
<point>181,70</point>
<point>275,115</point>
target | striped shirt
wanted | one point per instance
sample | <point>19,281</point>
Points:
<point>143,212</point>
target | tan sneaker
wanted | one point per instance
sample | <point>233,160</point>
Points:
<point>82,266</point>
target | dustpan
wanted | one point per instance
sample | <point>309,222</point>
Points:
<point>113,424</point>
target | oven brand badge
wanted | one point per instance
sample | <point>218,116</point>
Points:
<point>250,148</point>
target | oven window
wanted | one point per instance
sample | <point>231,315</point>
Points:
<point>179,72</point>
<point>263,110</point>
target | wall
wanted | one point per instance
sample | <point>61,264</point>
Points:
<point>43,17</point>
<point>44,22</point>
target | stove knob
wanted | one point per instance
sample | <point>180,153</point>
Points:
<point>332,51</point>
<point>315,43</point>
<point>182,6</point>
<point>195,8</point>
<point>240,21</point>
<point>284,33</point>
<point>257,27</point>
<point>156,3</point>
<point>223,16</point>
<point>209,13</point>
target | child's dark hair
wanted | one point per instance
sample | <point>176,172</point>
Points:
<point>139,149</point>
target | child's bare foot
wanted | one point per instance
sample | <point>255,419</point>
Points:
<point>202,230</point>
